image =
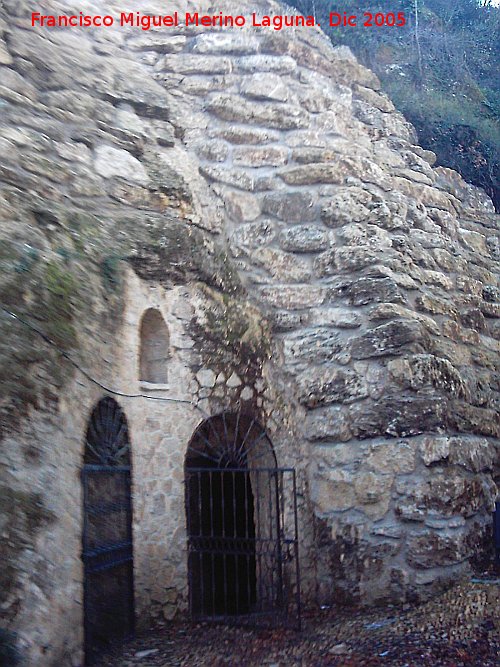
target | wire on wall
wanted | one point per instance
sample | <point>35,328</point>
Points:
<point>87,375</point>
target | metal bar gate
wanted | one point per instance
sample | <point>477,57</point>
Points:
<point>243,553</point>
<point>107,557</point>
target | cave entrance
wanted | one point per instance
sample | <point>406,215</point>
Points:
<point>242,526</point>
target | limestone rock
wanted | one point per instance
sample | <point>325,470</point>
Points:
<point>111,162</point>
<point>312,345</point>
<point>235,109</point>
<point>304,239</point>
<point>363,291</point>
<point>348,205</point>
<point>399,415</point>
<point>266,86</point>
<point>398,458</point>
<point>322,387</point>
<point>291,207</point>
<point>433,550</point>
<point>283,266</point>
<point>331,423</point>
<point>388,339</point>
<point>241,207</point>
<point>422,370</point>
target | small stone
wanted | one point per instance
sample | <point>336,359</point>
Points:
<point>206,377</point>
<point>146,654</point>
<point>246,394</point>
<point>339,649</point>
<point>233,381</point>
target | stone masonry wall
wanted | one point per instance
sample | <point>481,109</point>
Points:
<point>311,266</point>
<point>380,276</point>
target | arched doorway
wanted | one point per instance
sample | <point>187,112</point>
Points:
<point>241,517</point>
<point>107,530</point>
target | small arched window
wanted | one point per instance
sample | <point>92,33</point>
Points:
<point>154,346</point>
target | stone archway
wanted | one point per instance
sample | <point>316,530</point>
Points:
<point>238,553</point>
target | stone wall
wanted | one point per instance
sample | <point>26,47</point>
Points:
<point>311,265</point>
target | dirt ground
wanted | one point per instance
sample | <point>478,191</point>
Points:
<point>461,627</point>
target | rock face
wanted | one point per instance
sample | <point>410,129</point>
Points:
<point>311,266</point>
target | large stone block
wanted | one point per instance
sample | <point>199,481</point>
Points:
<point>293,297</point>
<point>363,291</point>
<point>360,234</point>
<point>242,207</point>
<point>390,311</point>
<point>333,491</point>
<point>266,63</point>
<point>290,206</point>
<point>247,135</point>
<point>217,43</point>
<point>423,370</point>
<point>342,318</point>
<point>237,109</point>
<point>265,86</point>
<point>392,457</point>
<point>283,266</point>
<point>390,338</point>
<point>313,174</point>
<point>373,493</point>
<point>237,178</point>
<point>466,418</point>
<point>433,550</point>
<point>312,345</point>
<point>325,264</point>
<point>474,454</point>
<point>324,386</point>
<point>305,239</point>
<point>399,415</point>
<point>354,259</point>
<point>266,156</point>
<point>331,423</point>
<point>446,494</point>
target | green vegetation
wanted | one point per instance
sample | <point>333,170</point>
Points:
<point>441,70</point>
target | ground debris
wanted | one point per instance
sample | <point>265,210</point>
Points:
<point>460,628</point>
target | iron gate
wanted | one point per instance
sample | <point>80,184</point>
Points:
<point>107,531</point>
<point>243,552</point>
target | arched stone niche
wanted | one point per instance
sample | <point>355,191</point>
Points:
<point>154,348</point>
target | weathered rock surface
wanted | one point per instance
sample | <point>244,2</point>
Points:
<point>312,267</point>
